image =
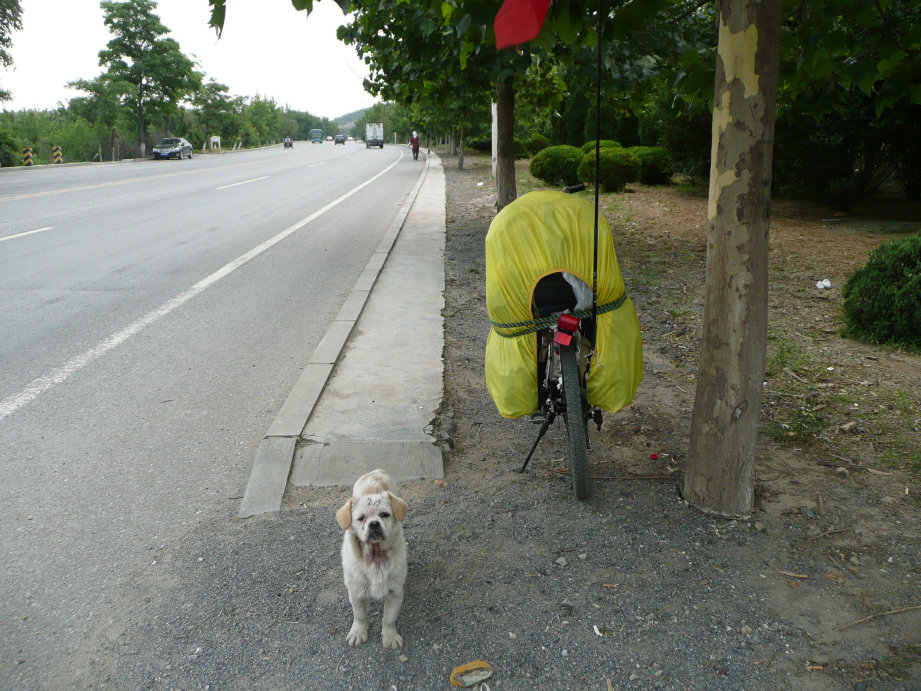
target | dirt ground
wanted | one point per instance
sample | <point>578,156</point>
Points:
<point>836,536</point>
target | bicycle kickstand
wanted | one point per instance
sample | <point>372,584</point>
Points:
<point>540,435</point>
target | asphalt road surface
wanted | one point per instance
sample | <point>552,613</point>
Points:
<point>153,317</point>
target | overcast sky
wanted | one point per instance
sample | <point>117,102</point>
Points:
<point>267,48</point>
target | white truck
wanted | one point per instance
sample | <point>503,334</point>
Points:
<point>374,134</point>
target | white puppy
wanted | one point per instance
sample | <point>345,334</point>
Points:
<point>374,554</point>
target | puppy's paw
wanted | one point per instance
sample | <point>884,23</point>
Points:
<point>391,638</point>
<point>357,634</point>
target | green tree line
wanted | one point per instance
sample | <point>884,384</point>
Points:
<point>149,89</point>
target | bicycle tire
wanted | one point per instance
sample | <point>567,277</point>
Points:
<point>575,421</point>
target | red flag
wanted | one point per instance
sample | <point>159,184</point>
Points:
<point>519,21</point>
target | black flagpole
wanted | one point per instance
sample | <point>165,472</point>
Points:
<point>597,170</point>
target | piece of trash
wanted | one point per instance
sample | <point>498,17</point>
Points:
<point>847,426</point>
<point>471,674</point>
<point>824,284</point>
<point>653,457</point>
<point>597,632</point>
<point>479,184</point>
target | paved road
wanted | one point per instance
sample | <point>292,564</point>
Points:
<point>153,317</point>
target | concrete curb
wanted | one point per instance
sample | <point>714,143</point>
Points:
<point>272,466</point>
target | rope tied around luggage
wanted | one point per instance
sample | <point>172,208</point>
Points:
<point>542,323</point>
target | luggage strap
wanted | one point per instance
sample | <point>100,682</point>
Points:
<point>543,323</point>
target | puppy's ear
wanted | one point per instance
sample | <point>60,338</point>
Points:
<point>398,506</point>
<point>344,515</point>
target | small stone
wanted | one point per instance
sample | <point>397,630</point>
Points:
<point>759,526</point>
<point>842,472</point>
<point>562,561</point>
<point>746,630</point>
<point>855,561</point>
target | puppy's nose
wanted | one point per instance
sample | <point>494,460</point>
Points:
<point>374,526</point>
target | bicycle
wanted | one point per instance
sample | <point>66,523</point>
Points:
<point>570,350</point>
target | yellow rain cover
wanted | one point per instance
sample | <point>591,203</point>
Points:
<point>536,235</point>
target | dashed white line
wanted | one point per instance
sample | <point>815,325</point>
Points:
<point>28,232</point>
<point>243,182</point>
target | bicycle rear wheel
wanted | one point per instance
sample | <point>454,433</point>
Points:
<point>575,420</point>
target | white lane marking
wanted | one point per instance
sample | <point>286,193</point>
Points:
<point>314,165</point>
<point>28,232</point>
<point>37,387</point>
<point>234,184</point>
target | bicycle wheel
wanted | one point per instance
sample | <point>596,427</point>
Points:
<point>575,420</point>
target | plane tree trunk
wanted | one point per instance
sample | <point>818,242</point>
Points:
<point>724,424</point>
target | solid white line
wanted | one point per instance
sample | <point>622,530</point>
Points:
<point>11,404</point>
<point>314,165</point>
<point>28,232</point>
<point>234,184</point>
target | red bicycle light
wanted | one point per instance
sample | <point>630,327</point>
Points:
<point>567,322</point>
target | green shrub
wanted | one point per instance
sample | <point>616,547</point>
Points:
<point>655,164</point>
<point>10,154</point>
<point>617,167</point>
<point>557,165</point>
<point>537,143</point>
<point>589,147</point>
<point>882,300</point>
<point>521,149</point>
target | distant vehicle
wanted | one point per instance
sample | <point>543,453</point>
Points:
<point>329,138</point>
<point>351,139</point>
<point>316,136</point>
<point>172,146</point>
<point>374,134</point>
<point>288,143</point>
<point>340,139</point>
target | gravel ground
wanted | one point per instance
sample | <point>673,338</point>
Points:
<point>629,589</point>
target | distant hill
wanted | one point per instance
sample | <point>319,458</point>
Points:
<point>349,119</point>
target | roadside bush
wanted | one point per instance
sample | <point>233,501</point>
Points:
<point>655,164</point>
<point>8,150</point>
<point>882,300</point>
<point>484,146</point>
<point>537,143</point>
<point>557,165</point>
<point>617,167</point>
<point>589,147</point>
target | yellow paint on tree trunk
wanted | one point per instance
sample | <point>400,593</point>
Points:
<point>737,52</point>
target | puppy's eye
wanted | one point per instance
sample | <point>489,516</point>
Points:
<point>361,519</point>
<point>384,514</point>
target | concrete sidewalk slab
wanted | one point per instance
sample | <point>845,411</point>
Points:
<point>372,387</point>
<point>378,406</point>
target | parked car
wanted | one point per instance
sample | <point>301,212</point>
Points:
<point>340,139</point>
<point>172,146</point>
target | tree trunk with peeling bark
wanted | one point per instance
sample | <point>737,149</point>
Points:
<point>724,425</point>
<point>505,144</point>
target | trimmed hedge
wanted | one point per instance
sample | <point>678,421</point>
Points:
<point>882,300</point>
<point>589,147</point>
<point>617,167</point>
<point>537,143</point>
<point>655,164</point>
<point>557,165</point>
